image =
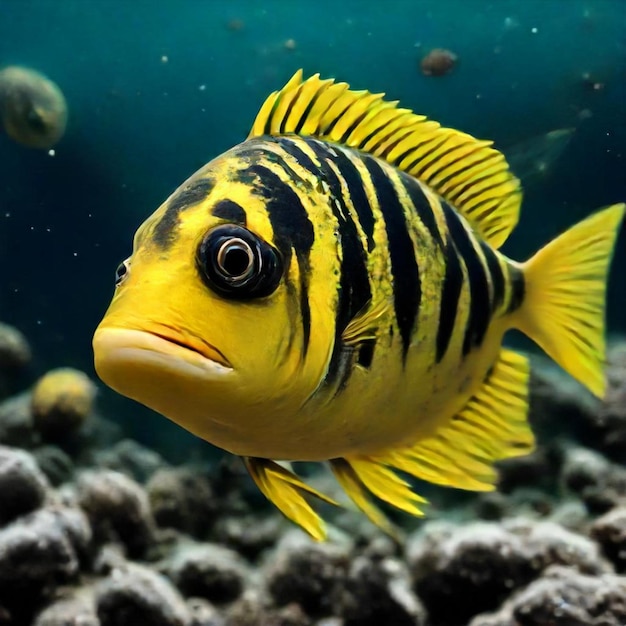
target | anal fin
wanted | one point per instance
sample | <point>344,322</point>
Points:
<point>491,427</point>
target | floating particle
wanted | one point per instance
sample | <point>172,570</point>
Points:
<point>165,58</point>
<point>590,83</point>
<point>438,62</point>
<point>290,44</point>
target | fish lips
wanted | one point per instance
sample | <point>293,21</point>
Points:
<point>117,351</point>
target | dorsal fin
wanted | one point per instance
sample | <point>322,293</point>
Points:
<point>467,172</point>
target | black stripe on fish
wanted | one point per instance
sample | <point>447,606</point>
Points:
<point>230,211</point>
<point>407,288</point>
<point>518,288</point>
<point>423,208</point>
<point>301,157</point>
<point>358,197</point>
<point>450,294</point>
<point>191,194</point>
<point>496,274</point>
<point>354,284</point>
<point>292,230</point>
<point>480,310</point>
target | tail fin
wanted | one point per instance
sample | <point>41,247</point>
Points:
<point>564,303</point>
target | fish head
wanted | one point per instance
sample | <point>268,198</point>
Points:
<point>210,323</point>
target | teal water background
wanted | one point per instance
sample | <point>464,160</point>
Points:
<point>157,88</point>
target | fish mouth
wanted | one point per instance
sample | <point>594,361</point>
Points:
<point>118,347</point>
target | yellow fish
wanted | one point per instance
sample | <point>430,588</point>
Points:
<point>331,290</point>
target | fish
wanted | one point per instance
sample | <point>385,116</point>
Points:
<point>533,160</point>
<point>331,290</point>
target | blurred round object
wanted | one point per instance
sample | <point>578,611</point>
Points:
<point>62,400</point>
<point>14,349</point>
<point>438,62</point>
<point>32,107</point>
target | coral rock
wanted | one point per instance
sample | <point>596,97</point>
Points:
<point>54,463</point>
<point>134,595</point>
<point>131,458</point>
<point>380,593</point>
<point>118,509</point>
<point>610,532</point>
<point>460,572</point>
<point>38,553</point>
<point>14,355</point>
<point>207,571</point>
<point>183,500</point>
<point>16,422</point>
<point>77,610</point>
<point>564,597</point>
<point>307,573</point>
<point>22,484</point>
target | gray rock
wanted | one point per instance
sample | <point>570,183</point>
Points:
<point>203,613</point>
<point>131,458</point>
<point>310,574</point>
<point>182,499</point>
<point>208,571</point>
<point>379,592</point>
<point>253,609</point>
<point>564,597</point>
<point>610,532</point>
<point>250,535</point>
<point>38,553</point>
<point>546,544</point>
<point>118,510</point>
<point>23,486</point>
<point>460,572</point>
<point>609,422</point>
<point>133,595</point>
<point>15,354</point>
<point>600,484</point>
<point>54,463</point>
<point>16,422</point>
<point>76,610</point>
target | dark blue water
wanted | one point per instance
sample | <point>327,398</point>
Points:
<point>157,88</point>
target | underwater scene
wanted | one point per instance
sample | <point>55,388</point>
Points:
<point>312,313</point>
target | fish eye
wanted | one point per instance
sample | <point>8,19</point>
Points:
<point>122,271</point>
<point>237,264</point>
